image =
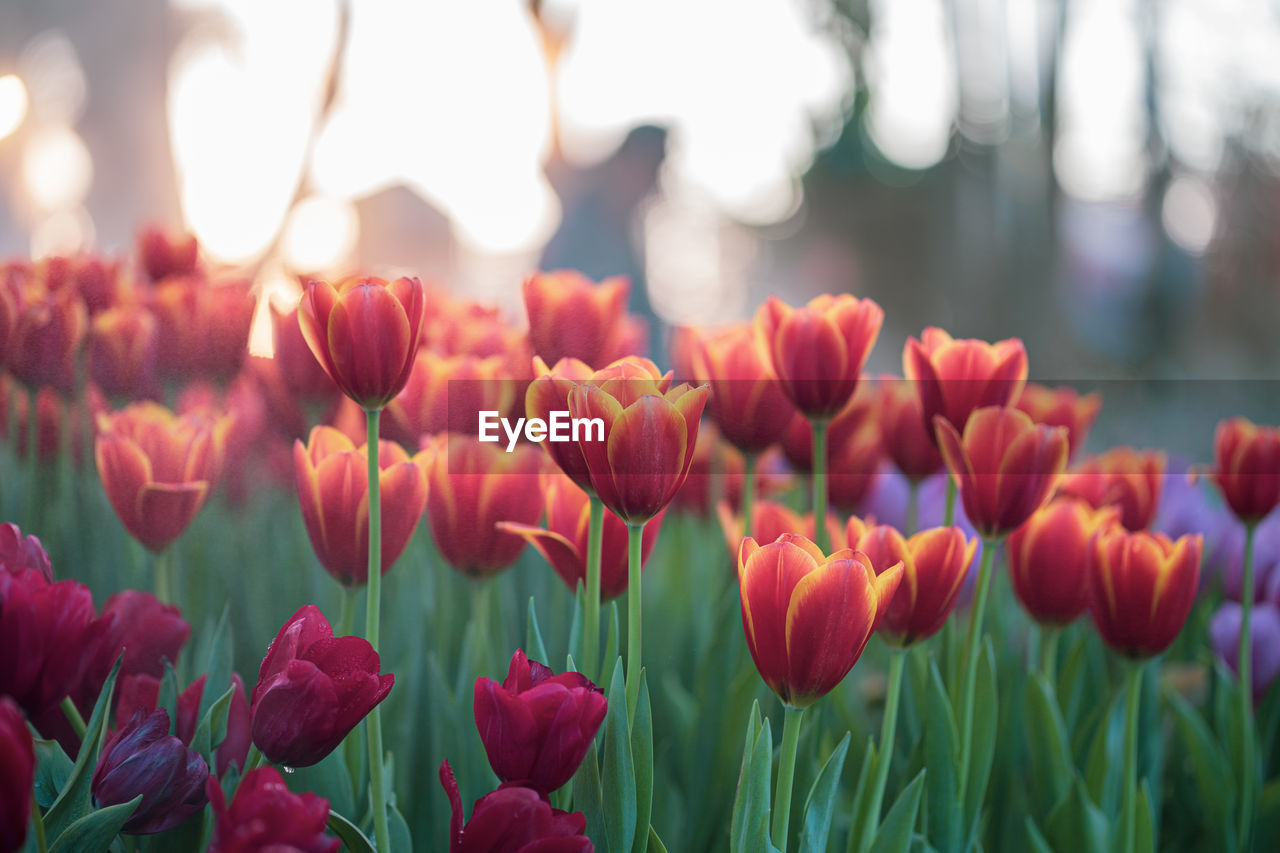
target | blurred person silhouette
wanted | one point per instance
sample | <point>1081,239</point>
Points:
<point>601,234</point>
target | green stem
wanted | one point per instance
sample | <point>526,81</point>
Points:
<point>949,517</point>
<point>748,492</point>
<point>482,624</point>
<point>1131,757</point>
<point>373,723</point>
<point>786,776</point>
<point>1245,670</point>
<point>255,760</point>
<point>73,716</point>
<point>913,508</point>
<point>591,604</point>
<point>164,577</point>
<point>821,539</point>
<point>635,534</point>
<point>346,613</point>
<point>884,758</point>
<point>972,643</point>
<point>1049,661</point>
<point>37,821</point>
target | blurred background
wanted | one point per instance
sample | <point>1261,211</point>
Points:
<point>1098,177</point>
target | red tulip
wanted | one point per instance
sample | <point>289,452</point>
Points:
<point>332,478</point>
<point>1141,588</point>
<point>934,565</point>
<point>167,253</point>
<point>202,326</point>
<point>853,446</point>
<point>19,553</point>
<point>122,351</point>
<point>902,430</point>
<point>364,332</point>
<point>1246,467</point>
<point>1047,557</point>
<point>49,328</point>
<point>747,401</point>
<point>718,470</point>
<point>55,413</point>
<point>143,758</point>
<point>313,688</point>
<point>1064,407</point>
<point>1005,466</point>
<point>536,726</point>
<point>512,819</point>
<point>158,468</point>
<point>953,378</point>
<point>447,394</point>
<point>8,320</point>
<point>1122,477</point>
<point>817,351</point>
<point>563,543</point>
<point>234,748</point>
<point>770,519</point>
<point>95,278</point>
<point>572,317</point>
<point>808,616</point>
<point>264,815</point>
<point>17,775</point>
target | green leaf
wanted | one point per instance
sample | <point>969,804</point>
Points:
<point>398,836</point>
<point>986,712</point>
<point>940,744</point>
<point>750,827</point>
<point>587,797</point>
<point>1048,746</point>
<point>212,729</point>
<point>1035,839</point>
<point>617,773</point>
<point>351,836</point>
<point>74,802</point>
<point>534,647</point>
<point>821,800</point>
<point>575,628</point>
<point>330,779</point>
<point>894,835</point>
<point>1076,824</point>
<point>859,812</point>
<point>642,760</point>
<point>1210,768</point>
<point>169,696</point>
<point>1144,833</point>
<point>655,843</point>
<point>52,769</point>
<point>94,832</point>
<point>611,644</point>
<point>1101,784</point>
<point>219,666</point>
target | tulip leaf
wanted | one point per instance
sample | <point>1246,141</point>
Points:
<point>986,712</point>
<point>352,838</point>
<point>611,645</point>
<point>52,769</point>
<point>74,801</point>
<point>398,836</point>
<point>1144,837</point>
<point>820,803</point>
<point>534,646</point>
<point>1077,824</point>
<point>330,778</point>
<point>575,628</point>
<point>212,729</point>
<point>1049,748</point>
<point>1101,783</point>
<point>940,744</point>
<point>1209,765</point>
<point>617,772</point>
<point>894,835</point>
<point>587,797</point>
<point>94,832</point>
<point>744,777</point>
<point>655,843</point>
<point>169,696</point>
<point>751,808</point>
<point>862,793</point>
<point>1035,839</point>
<point>219,667</point>
<point>642,760</point>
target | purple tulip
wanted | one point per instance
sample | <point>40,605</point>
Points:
<point>1264,643</point>
<point>143,758</point>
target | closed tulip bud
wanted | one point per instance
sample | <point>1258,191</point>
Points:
<point>313,688</point>
<point>1064,407</point>
<point>144,759</point>
<point>1048,555</point>
<point>1005,466</point>
<point>808,616</point>
<point>536,726</point>
<point>49,328</point>
<point>1246,467</point>
<point>332,478</point>
<point>512,819</point>
<point>902,430</point>
<point>563,543</point>
<point>17,776</point>
<point>747,401</point>
<point>364,332</point>
<point>934,565</point>
<point>158,468</point>
<point>1141,588</point>
<point>265,815</point>
<point>122,351</point>
<point>447,394</point>
<point>167,253</point>
<point>19,553</point>
<point>954,378</point>
<point>572,317</point>
<point>817,351</point>
<point>1127,479</point>
<point>770,519</point>
<point>234,748</point>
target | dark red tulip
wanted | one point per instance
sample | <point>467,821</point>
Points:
<point>235,747</point>
<point>143,758</point>
<point>18,552</point>
<point>1048,558</point>
<point>164,253</point>
<point>50,327</point>
<point>512,819</point>
<point>313,688</point>
<point>956,377</point>
<point>17,774</point>
<point>1141,588</point>
<point>902,430</point>
<point>1246,467</point>
<point>264,815</point>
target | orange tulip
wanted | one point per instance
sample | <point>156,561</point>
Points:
<point>332,477</point>
<point>747,402</point>
<point>817,351</point>
<point>1246,467</point>
<point>934,565</point>
<point>364,332</point>
<point>1048,555</point>
<point>572,317</point>
<point>902,430</point>
<point>770,519</point>
<point>1141,588</point>
<point>955,377</point>
<point>1122,477</point>
<point>1064,407</point>
<point>808,616</point>
<point>158,468</point>
<point>1005,466</point>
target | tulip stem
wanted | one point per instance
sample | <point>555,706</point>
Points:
<point>164,577</point>
<point>821,537</point>
<point>972,644</point>
<point>1131,758</point>
<point>591,604</point>
<point>913,508</point>
<point>373,723</point>
<point>346,613</point>
<point>786,776</point>
<point>748,492</point>
<point>1245,669</point>
<point>635,533</point>
<point>949,516</point>
<point>884,758</point>
<point>37,821</point>
<point>73,716</point>
<point>1049,665</point>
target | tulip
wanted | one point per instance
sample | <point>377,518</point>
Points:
<point>313,688</point>
<point>265,815</point>
<point>770,519</point>
<point>447,394</point>
<point>955,378</point>
<point>8,321</point>
<point>572,317</point>
<point>512,819</point>
<point>333,491</point>
<point>853,448</point>
<point>1124,478</point>
<point>202,326</point>
<point>17,775</point>
<point>747,401</point>
<point>1264,642</point>
<point>158,468</point>
<point>536,726</point>
<point>1064,407</point>
<point>19,553</point>
<point>122,351</point>
<point>364,332</point>
<point>167,253</point>
<point>55,413</point>
<point>234,748</point>
<point>98,280</point>
<point>1246,467</point>
<point>564,542</point>
<point>302,374</point>
<point>144,759</point>
<point>474,486</point>
<point>50,326</point>
<point>903,435</point>
<point>1141,588</point>
<point>1047,558</point>
<point>719,470</point>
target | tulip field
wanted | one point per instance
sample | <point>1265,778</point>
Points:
<point>759,601</point>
